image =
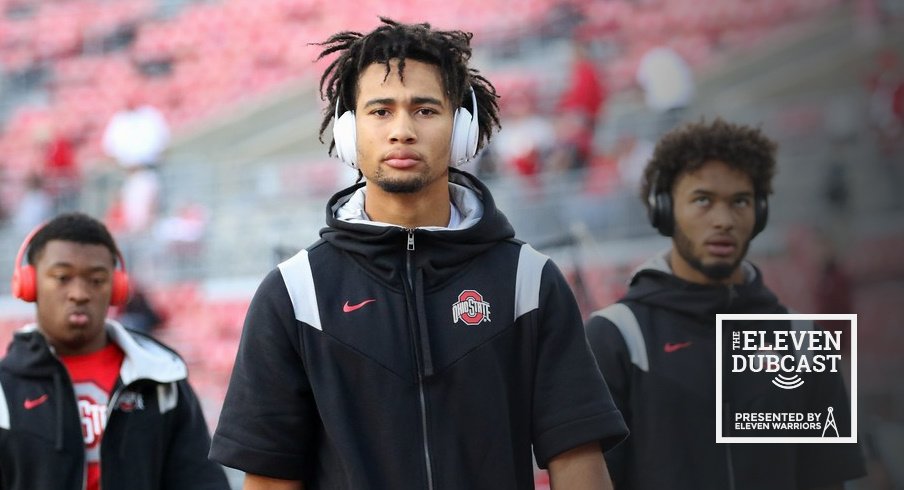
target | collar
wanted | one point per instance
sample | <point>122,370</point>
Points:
<point>660,262</point>
<point>465,209</point>
<point>145,358</point>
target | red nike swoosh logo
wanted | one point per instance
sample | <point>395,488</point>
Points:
<point>347,308</point>
<point>29,404</point>
<point>670,347</point>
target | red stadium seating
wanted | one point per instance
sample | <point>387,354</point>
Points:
<point>221,52</point>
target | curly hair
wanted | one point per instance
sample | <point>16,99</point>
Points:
<point>71,227</point>
<point>688,147</point>
<point>450,51</point>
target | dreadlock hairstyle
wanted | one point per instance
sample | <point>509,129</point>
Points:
<point>688,147</point>
<point>450,51</point>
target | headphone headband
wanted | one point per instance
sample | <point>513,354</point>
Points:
<point>26,243</point>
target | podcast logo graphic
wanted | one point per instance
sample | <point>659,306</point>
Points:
<point>786,352</point>
<point>830,422</point>
<point>774,378</point>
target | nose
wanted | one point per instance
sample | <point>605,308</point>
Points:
<point>79,291</point>
<point>402,129</point>
<point>723,217</point>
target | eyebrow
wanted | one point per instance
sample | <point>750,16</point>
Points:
<point>705,192</point>
<point>414,101</point>
<point>67,265</point>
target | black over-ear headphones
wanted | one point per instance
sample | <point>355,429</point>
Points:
<point>662,211</point>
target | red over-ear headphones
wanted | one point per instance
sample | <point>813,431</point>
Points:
<point>25,285</point>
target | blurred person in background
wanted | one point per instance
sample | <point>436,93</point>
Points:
<point>582,103</point>
<point>667,83</point>
<point>137,138</point>
<point>34,207</point>
<point>445,351</point>
<point>886,99</point>
<point>706,187</point>
<point>139,313</point>
<point>61,170</point>
<point>84,402</point>
<point>528,137</point>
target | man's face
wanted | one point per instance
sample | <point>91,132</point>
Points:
<point>714,218</point>
<point>404,130</point>
<point>74,284</point>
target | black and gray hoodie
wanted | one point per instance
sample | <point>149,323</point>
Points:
<point>155,437</point>
<point>661,374</point>
<point>430,358</point>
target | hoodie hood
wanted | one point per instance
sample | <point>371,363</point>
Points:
<point>30,355</point>
<point>440,251</point>
<point>654,284</point>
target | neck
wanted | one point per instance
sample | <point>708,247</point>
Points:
<point>62,349</point>
<point>427,207</point>
<point>683,270</point>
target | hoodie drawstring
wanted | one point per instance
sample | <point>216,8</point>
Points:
<point>58,392</point>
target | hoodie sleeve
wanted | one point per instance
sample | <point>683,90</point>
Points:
<point>572,405</point>
<point>612,356</point>
<point>269,420</point>
<point>186,463</point>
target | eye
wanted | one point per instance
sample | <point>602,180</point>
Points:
<point>426,111</point>
<point>742,202</point>
<point>701,200</point>
<point>380,112</point>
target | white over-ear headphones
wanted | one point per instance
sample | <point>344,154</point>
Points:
<point>465,134</point>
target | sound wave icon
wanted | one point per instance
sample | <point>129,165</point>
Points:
<point>788,382</point>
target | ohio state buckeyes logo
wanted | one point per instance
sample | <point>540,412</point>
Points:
<point>470,308</point>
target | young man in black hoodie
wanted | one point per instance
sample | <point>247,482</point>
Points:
<point>706,186</point>
<point>417,345</point>
<point>84,403</point>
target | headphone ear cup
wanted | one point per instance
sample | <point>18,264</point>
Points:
<point>461,137</point>
<point>761,215</point>
<point>473,135</point>
<point>120,288</point>
<point>23,284</point>
<point>661,214</point>
<point>345,137</point>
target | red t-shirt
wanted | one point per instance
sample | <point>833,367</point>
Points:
<point>93,378</point>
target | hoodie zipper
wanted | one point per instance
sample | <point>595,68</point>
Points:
<point>409,269</point>
<point>58,388</point>
<point>732,294</point>
<point>114,398</point>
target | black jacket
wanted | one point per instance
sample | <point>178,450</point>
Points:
<point>155,437</point>
<point>667,394</point>
<point>387,358</point>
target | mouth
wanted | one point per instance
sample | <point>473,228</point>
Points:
<point>721,247</point>
<point>78,318</point>
<point>402,159</point>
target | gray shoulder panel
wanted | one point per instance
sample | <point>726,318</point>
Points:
<point>623,318</point>
<point>527,280</point>
<point>299,279</point>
